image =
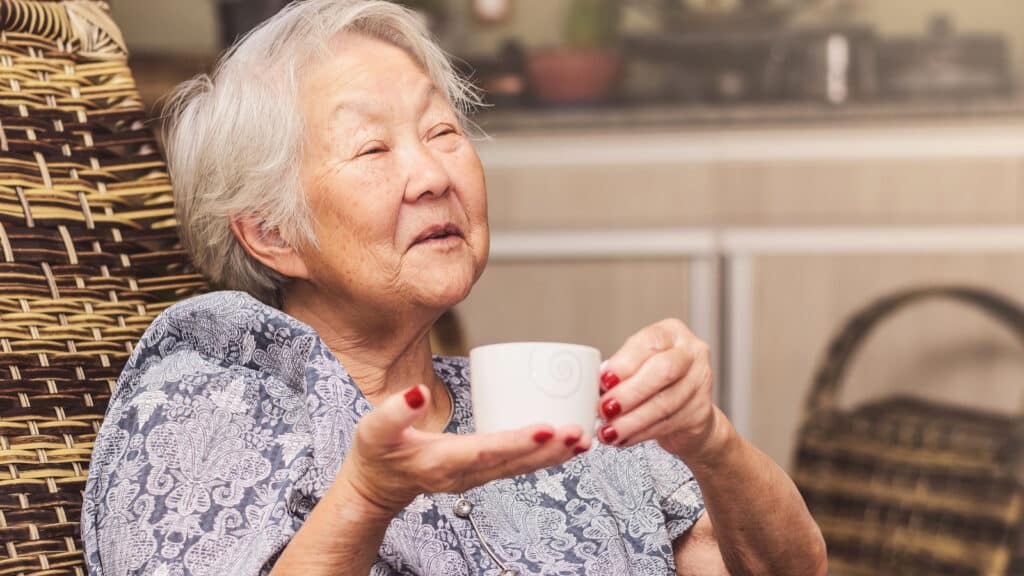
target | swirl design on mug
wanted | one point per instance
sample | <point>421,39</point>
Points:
<point>557,374</point>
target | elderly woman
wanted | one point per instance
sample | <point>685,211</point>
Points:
<point>298,423</point>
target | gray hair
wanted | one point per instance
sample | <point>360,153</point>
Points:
<point>234,138</point>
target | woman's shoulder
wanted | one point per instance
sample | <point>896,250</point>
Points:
<point>231,352</point>
<point>225,358</point>
<point>216,343</point>
<point>217,389</point>
<point>232,330</point>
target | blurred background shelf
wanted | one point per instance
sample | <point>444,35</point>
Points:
<point>688,116</point>
<point>157,73</point>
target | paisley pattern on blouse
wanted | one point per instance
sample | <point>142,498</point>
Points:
<point>231,419</point>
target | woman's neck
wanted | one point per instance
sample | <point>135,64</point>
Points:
<point>383,359</point>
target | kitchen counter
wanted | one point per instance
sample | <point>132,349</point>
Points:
<point>663,117</point>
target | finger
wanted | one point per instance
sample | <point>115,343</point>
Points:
<point>692,412</point>
<point>489,449</point>
<point>661,371</point>
<point>658,414</point>
<point>483,450</point>
<point>455,463</point>
<point>572,435</point>
<point>552,454</point>
<point>386,423</point>
<point>640,347</point>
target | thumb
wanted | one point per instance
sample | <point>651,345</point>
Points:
<point>398,412</point>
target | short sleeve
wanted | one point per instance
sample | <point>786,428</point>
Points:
<point>677,491</point>
<point>195,471</point>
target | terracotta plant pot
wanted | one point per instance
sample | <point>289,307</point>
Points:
<point>573,75</point>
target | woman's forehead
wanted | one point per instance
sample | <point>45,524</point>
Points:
<point>359,53</point>
<point>375,105</point>
<point>360,74</point>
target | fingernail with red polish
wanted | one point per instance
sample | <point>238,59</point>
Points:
<point>609,380</point>
<point>542,436</point>
<point>414,398</point>
<point>570,440</point>
<point>608,434</point>
<point>611,408</point>
<point>579,450</point>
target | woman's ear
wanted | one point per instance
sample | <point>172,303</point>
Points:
<point>267,246</point>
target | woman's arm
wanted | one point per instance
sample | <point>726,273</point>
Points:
<point>391,462</point>
<point>341,537</point>
<point>696,551</point>
<point>756,520</point>
<point>658,386</point>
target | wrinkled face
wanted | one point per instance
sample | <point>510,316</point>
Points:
<point>395,188</point>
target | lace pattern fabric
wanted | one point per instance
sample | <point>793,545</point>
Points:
<point>231,419</point>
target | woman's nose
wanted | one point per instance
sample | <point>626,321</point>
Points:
<point>427,175</point>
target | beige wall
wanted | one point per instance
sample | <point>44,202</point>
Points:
<point>180,26</point>
<point>598,303</point>
<point>943,351</point>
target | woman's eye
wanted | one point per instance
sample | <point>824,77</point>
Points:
<point>373,150</point>
<point>444,132</point>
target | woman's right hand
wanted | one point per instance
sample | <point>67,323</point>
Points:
<point>390,462</point>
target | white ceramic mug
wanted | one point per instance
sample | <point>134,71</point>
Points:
<point>522,383</point>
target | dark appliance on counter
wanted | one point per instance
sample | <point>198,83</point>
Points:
<point>944,65</point>
<point>834,65</point>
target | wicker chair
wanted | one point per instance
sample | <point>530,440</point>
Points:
<point>89,257</point>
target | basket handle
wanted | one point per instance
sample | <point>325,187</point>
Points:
<point>845,344</point>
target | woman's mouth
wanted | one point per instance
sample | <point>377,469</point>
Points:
<point>440,234</point>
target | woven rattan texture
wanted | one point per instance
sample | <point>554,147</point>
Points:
<point>88,257</point>
<point>905,487</point>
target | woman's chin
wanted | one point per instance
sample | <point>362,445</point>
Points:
<point>444,287</point>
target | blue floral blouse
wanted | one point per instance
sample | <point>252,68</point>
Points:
<point>231,418</point>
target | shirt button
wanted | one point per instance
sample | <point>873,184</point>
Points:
<point>463,508</point>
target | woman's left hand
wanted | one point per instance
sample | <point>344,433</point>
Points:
<point>658,387</point>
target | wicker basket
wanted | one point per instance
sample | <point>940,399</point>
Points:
<point>88,257</point>
<point>905,486</point>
